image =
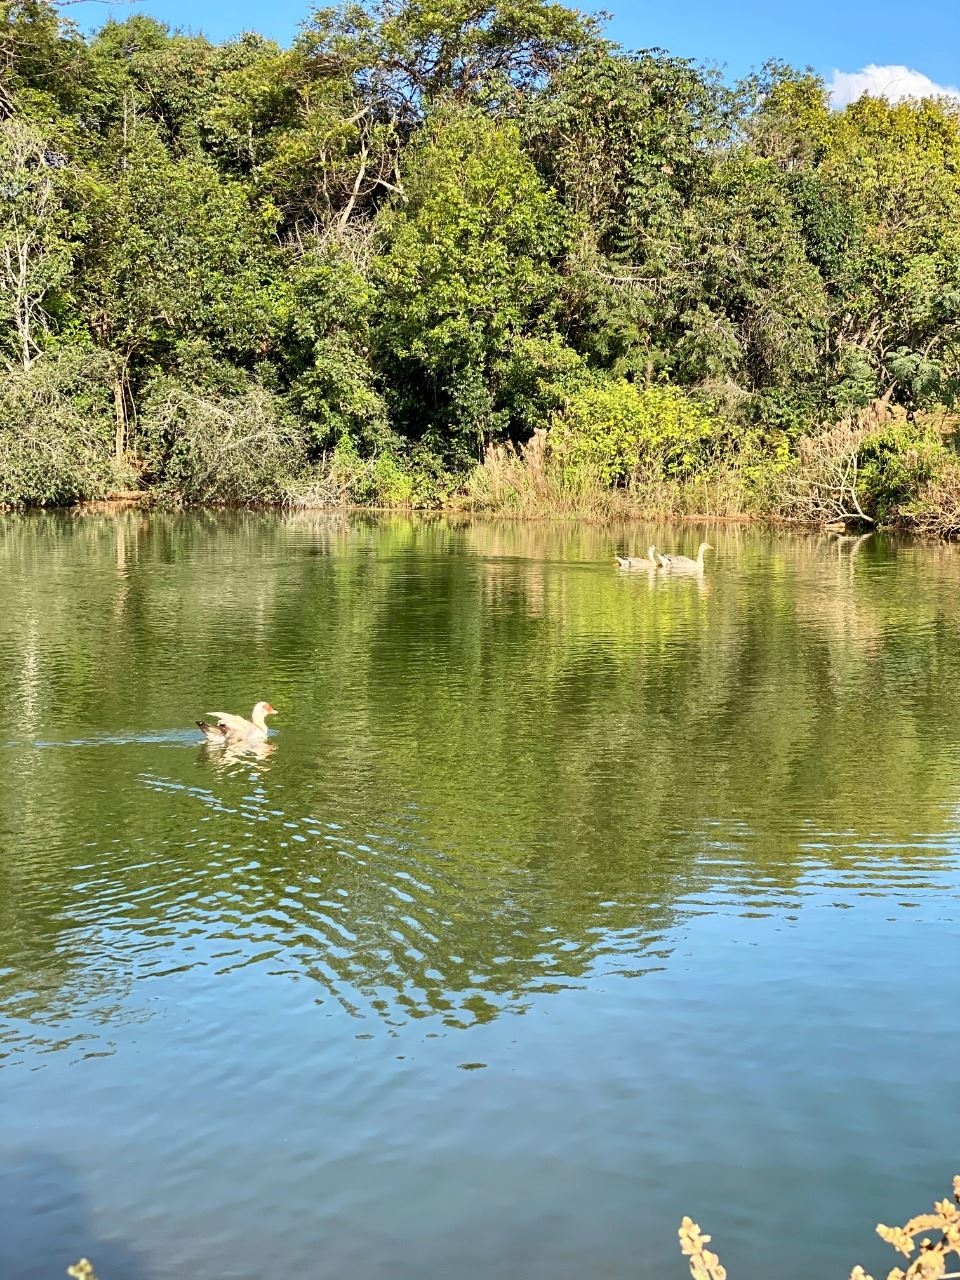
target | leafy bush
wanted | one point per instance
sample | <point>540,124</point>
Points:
<point>895,464</point>
<point>201,447</point>
<point>613,428</point>
<point>57,430</point>
<point>536,378</point>
<point>395,477</point>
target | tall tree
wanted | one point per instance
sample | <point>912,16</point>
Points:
<point>35,249</point>
<point>466,273</point>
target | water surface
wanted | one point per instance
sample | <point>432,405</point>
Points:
<point>565,902</point>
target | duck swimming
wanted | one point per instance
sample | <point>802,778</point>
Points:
<point>684,564</point>
<point>230,728</point>
<point>637,562</point>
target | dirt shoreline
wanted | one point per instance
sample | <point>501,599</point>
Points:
<point>131,500</point>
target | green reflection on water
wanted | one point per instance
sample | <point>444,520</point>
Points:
<point>503,760</point>
<point>652,866</point>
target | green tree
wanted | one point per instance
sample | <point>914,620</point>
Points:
<point>465,274</point>
<point>35,229</point>
<point>325,351</point>
<point>876,191</point>
<point>141,72</point>
<point>899,169</point>
<point>753,312</point>
<point>44,61</point>
<point>407,56</point>
<point>179,272</point>
<point>628,142</point>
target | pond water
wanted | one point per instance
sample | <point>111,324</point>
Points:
<point>566,901</point>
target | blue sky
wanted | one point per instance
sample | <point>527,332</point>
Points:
<point>738,34</point>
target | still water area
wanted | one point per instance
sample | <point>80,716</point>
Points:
<point>561,903</point>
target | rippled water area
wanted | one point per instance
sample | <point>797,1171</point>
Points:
<point>562,901</point>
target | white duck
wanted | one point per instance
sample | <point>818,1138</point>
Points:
<point>637,562</point>
<point>229,728</point>
<point>683,564</point>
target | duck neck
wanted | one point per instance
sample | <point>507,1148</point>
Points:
<point>259,719</point>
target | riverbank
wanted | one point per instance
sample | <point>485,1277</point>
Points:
<point>516,291</point>
<point>880,470</point>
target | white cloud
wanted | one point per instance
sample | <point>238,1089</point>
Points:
<point>893,83</point>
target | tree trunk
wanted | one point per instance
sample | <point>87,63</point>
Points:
<point>119,404</point>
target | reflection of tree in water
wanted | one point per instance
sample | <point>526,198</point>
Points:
<point>381,922</point>
<point>533,762</point>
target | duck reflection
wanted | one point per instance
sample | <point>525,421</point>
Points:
<point>231,756</point>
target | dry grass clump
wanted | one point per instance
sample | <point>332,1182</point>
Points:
<point>523,480</point>
<point>932,1237</point>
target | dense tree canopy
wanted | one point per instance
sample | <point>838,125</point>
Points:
<point>422,230</point>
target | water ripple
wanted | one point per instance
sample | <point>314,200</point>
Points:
<point>559,900</point>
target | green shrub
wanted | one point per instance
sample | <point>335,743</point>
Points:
<point>203,447</point>
<point>400,476</point>
<point>57,430</point>
<point>612,429</point>
<point>894,464</point>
